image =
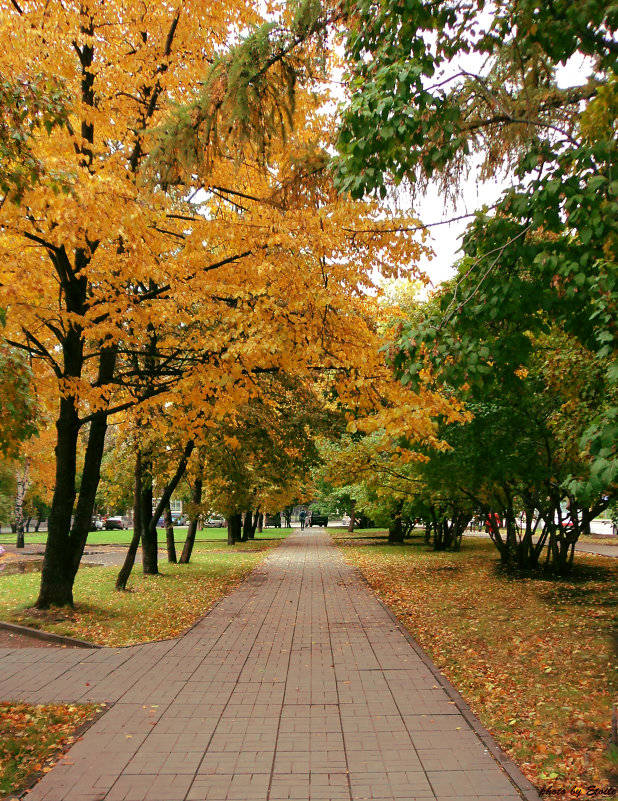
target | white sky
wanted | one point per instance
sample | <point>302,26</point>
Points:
<point>444,239</point>
<point>431,207</point>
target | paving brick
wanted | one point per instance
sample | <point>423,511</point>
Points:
<point>298,686</point>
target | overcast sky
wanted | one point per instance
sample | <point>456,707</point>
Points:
<point>431,208</point>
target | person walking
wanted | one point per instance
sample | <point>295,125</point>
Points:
<point>301,517</point>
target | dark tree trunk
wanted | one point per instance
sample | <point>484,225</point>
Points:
<point>352,522</point>
<point>247,526</point>
<point>91,473</point>
<point>129,560</point>
<point>150,552</point>
<point>260,523</point>
<point>65,544</point>
<point>234,525</point>
<point>20,541</point>
<point>56,581</point>
<point>196,499</point>
<point>169,535</point>
<point>150,528</point>
<point>395,531</point>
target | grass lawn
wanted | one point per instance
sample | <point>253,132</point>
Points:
<point>116,537</point>
<point>153,608</point>
<point>601,539</point>
<point>537,660</point>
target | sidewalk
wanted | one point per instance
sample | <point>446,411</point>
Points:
<point>299,685</point>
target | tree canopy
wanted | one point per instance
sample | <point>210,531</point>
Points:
<point>130,285</point>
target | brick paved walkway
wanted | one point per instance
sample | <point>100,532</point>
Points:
<point>299,685</point>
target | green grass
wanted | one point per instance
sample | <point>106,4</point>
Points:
<point>153,608</point>
<point>535,658</point>
<point>124,537</point>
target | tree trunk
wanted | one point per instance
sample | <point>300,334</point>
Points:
<point>254,525</point>
<point>56,583</point>
<point>169,535</point>
<point>196,499</point>
<point>150,551</point>
<point>20,494</point>
<point>129,560</point>
<point>234,524</point>
<point>150,528</point>
<point>352,522</point>
<point>260,523</point>
<point>247,526</point>
<point>65,543</point>
<point>395,531</point>
<point>91,473</point>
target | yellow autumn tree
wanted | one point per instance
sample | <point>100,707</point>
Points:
<point>126,284</point>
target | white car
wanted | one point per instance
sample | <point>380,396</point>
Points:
<point>115,522</point>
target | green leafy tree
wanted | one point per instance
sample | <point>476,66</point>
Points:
<point>521,450</point>
<point>439,83</point>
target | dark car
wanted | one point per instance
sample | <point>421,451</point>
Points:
<point>273,520</point>
<point>318,520</point>
<point>115,522</point>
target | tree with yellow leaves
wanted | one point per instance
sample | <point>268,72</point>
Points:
<point>127,287</point>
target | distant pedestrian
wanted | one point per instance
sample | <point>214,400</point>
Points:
<point>302,516</point>
<point>493,523</point>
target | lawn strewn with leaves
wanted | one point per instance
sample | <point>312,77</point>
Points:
<point>535,659</point>
<point>153,608</point>
<point>31,736</point>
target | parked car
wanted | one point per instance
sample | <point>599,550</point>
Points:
<point>96,524</point>
<point>214,521</point>
<point>115,522</point>
<point>318,520</point>
<point>177,520</point>
<point>273,520</point>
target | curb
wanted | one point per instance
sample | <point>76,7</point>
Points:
<point>36,634</point>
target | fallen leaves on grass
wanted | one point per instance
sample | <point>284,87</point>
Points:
<point>155,607</point>
<point>32,738</point>
<point>534,658</point>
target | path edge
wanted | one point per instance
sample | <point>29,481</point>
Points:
<point>523,785</point>
<point>37,634</point>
